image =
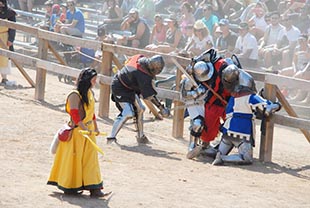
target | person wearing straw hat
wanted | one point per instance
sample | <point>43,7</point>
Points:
<point>200,41</point>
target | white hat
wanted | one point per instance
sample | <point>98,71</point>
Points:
<point>199,25</point>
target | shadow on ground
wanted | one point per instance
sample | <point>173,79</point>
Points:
<point>148,150</point>
<point>82,200</point>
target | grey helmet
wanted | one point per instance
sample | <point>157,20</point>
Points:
<point>203,71</point>
<point>230,77</point>
<point>156,64</point>
<point>246,81</point>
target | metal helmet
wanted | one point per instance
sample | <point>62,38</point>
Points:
<point>203,71</point>
<point>156,64</point>
<point>246,81</point>
<point>230,77</point>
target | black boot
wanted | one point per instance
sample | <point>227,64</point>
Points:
<point>143,140</point>
<point>110,140</point>
<point>96,193</point>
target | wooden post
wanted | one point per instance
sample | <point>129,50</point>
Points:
<point>41,73</point>
<point>104,99</point>
<point>265,152</point>
<point>178,112</point>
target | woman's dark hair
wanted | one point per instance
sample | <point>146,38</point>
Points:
<point>114,1</point>
<point>4,10</point>
<point>84,83</point>
<point>188,6</point>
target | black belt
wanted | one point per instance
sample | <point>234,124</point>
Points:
<point>123,83</point>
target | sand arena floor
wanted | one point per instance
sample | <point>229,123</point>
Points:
<point>156,175</point>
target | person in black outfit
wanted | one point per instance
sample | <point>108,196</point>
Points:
<point>7,36</point>
<point>133,81</point>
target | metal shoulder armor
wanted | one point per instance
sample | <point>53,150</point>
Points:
<point>246,81</point>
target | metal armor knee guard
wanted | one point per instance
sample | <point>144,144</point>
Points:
<point>195,133</point>
<point>127,113</point>
<point>225,146</point>
<point>246,151</point>
<point>196,129</point>
<point>139,117</point>
<point>244,156</point>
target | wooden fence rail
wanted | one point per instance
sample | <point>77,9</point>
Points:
<point>111,51</point>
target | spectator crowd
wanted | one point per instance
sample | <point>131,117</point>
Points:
<point>272,35</point>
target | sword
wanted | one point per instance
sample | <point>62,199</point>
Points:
<point>185,72</point>
<point>86,133</point>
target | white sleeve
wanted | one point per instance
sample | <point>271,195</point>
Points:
<point>238,44</point>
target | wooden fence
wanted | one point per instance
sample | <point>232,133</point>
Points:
<point>110,53</point>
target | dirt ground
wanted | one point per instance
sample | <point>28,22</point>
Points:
<point>156,175</point>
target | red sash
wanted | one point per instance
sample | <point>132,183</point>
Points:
<point>225,94</point>
<point>133,62</point>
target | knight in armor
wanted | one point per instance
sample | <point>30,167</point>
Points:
<point>238,129</point>
<point>193,98</point>
<point>7,36</point>
<point>207,71</point>
<point>133,81</point>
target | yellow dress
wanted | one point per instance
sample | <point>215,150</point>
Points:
<point>76,165</point>
<point>4,37</point>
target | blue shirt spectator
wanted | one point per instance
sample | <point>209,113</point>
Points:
<point>75,24</point>
<point>79,17</point>
<point>209,19</point>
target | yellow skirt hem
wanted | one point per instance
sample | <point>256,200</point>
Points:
<point>88,187</point>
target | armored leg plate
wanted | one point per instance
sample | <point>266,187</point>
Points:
<point>218,160</point>
<point>143,140</point>
<point>195,152</point>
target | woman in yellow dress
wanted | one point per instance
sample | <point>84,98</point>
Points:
<point>76,166</point>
